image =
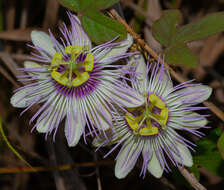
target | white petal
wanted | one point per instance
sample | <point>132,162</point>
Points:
<point>33,65</point>
<point>104,116</point>
<point>126,97</point>
<point>154,166</point>
<point>126,160</point>
<point>141,70</point>
<point>43,126</point>
<point>20,99</point>
<point>44,41</point>
<point>117,50</point>
<point>73,126</point>
<point>97,141</point>
<point>190,95</point>
<point>194,123</point>
<point>54,115</point>
<point>185,155</point>
<point>79,37</point>
<point>162,84</point>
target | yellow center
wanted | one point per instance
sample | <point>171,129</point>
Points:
<point>75,73</point>
<point>144,124</point>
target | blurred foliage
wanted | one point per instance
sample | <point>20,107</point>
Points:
<point>98,27</point>
<point>10,146</point>
<point>174,38</point>
<point>207,155</point>
<point>220,145</point>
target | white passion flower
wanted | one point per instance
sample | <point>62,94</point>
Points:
<point>150,129</point>
<point>75,81</point>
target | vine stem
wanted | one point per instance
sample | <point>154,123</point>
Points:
<point>187,175</point>
<point>218,112</point>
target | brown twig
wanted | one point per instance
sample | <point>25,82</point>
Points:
<point>177,76</point>
<point>191,179</point>
<point>56,168</point>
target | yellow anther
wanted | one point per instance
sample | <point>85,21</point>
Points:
<point>89,62</point>
<point>148,131</point>
<point>132,122</point>
<point>156,101</point>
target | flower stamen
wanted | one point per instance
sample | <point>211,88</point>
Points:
<point>74,71</point>
<point>146,123</point>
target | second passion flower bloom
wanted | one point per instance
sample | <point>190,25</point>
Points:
<point>75,81</point>
<point>150,129</point>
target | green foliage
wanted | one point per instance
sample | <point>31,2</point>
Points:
<point>174,38</point>
<point>101,28</point>
<point>179,53</point>
<point>98,27</point>
<point>207,155</point>
<point>220,145</point>
<point>165,28</point>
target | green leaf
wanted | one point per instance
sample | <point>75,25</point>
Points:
<point>71,4</point>
<point>180,54</point>
<point>194,170</point>
<point>86,5</point>
<point>101,28</point>
<point>104,4</point>
<point>220,145</point>
<point>205,27</point>
<point>164,28</point>
<point>207,155</point>
<point>10,146</point>
<point>212,162</point>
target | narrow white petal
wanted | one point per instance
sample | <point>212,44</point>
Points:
<point>43,126</point>
<point>141,70</point>
<point>154,166</point>
<point>104,117</point>
<point>73,126</point>
<point>179,121</point>
<point>185,155</point>
<point>97,141</point>
<point>190,95</point>
<point>20,99</point>
<point>126,97</point>
<point>31,64</point>
<point>79,37</point>
<point>117,50</point>
<point>126,160</point>
<point>44,41</point>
